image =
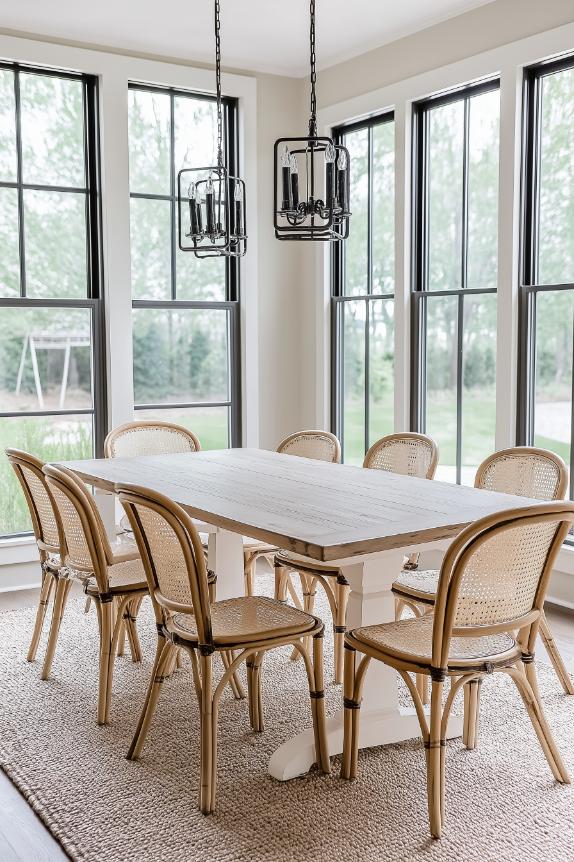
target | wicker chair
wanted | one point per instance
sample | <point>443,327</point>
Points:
<point>28,469</point>
<point>525,472</point>
<point>409,454</point>
<point>186,618</point>
<point>112,577</point>
<point>492,584</point>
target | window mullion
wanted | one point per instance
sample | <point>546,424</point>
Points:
<point>172,196</point>
<point>19,174</point>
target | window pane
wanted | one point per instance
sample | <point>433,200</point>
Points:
<point>441,357</point>
<point>209,424</point>
<point>356,260</point>
<point>150,231</point>
<point>553,398</point>
<point>483,190</point>
<point>48,437</point>
<point>45,359</point>
<point>7,127</point>
<point>200,278</point>
<point>381,369</point>
<point>195,133</point>
<point>383,208</point>
<point>55,228</point>
<point>149,137</point>
<point>52,130</point>
<point>556,230</point>
<point>180,355</point>
<point>478,383</point>
<point>445,163</point>
<point>353,358</point>
<point>9,243</point>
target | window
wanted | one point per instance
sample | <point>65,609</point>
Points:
<point>52,401</point>
<point>455,209</point>
<point>547,265</point>
<point>362,293</point>
<point>185,310</point>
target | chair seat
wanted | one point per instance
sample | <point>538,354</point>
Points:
<point>124,549</point>
<point>417,584</point>
<point>305,564</point>
<point>246,619</point>
<point>124,577</point>
<point>410,641</point>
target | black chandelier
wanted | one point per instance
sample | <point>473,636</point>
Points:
<point>314,178</point>
<point>211,203</point>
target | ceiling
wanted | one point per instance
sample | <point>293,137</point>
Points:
<point>260,35</point>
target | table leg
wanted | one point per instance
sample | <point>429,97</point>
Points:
<point>383,720</point>
<point>225,558</point>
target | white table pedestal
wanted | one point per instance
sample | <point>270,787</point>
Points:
<point>382,720</point>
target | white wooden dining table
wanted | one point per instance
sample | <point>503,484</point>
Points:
<point>363,520</point>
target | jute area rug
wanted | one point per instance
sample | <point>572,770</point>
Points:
<point>502,803</point>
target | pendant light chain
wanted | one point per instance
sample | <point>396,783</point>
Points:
<point>312,59</point>
<point>218,84</point>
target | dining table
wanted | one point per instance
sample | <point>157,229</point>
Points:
<point>363,520</point>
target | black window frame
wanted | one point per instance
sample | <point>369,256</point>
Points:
<point>94,259</point>
<point>530,287</point>
<point>232,266</point>
<point>420,291</point>
<point>339,297</point>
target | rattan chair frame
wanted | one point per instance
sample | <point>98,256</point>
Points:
<point>330,578</point>
<point>203,645</point>
<point>329,438</point>
<point>115,606</point>
<point>517,661</point>
<point>420,603</point>
<point>147,424</point>
<point>53,570</point>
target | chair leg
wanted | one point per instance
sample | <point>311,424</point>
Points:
<point>162,657</point>
<point>121,647</point>
<point>227,657</point>
<point>538,719</point>
<point>280,584</point>
<point>63,586</point>
<point>435,762</point>
<point>254,689</point>
<point>106,618</point>
<point>317,692</point>
<point>422,683</point>
<point>351,718</point>
<point>130,628</point>
<point>308,585</point>
<point>342,591</point>
<point>208,758</point>
<point>471,712</point>
<point>554,656</point>
<point>47,584</point>
<point>249,574</point>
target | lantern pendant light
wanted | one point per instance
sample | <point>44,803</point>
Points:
<point>312,179</point>
<point>211,203</point>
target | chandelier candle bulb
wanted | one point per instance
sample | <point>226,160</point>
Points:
<point>342,181</point>
<point>193,211</point>
<point>330,156</point>
<point>286,179</point>
<point>209,206</point>
<point>238,198</point>
<point>294,169</point>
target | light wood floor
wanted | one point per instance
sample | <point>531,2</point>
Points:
<point>23,838</point>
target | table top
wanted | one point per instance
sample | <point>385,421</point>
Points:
<point>324,511</point>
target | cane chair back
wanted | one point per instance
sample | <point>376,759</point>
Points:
<point>87,547</point>
<point>525,472</point>
<point>28,470</point>
<point>408,454</point>
<point>172,554</point>
<point>495,574</point>
<point>320,445</point>
<point>149,438</point>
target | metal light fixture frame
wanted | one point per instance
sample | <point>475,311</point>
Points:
<point>312,219</point>
<point>225,226</point>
